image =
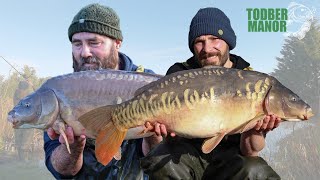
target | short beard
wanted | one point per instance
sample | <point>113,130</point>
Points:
<point>203,59</point>
<point>109,62</point>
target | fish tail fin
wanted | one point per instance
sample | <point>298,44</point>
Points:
<point>109,138</point>
<point>108,143</point>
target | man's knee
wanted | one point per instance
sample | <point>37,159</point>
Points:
<point>172,161</point>
<point>256,168</point>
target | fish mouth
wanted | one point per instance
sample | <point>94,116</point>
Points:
<point>302,117</point>
<point>308,114</point>
<point>15,123</point>
<point>305,117</point>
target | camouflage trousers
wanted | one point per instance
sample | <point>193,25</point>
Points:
<point>183,159</point>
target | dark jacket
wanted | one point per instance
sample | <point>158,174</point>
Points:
<point>129,165</point>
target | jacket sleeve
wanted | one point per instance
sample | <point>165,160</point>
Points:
<point>49,146</point>
<point>128,166</point>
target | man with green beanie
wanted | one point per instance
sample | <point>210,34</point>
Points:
<point>211,37</point>
<point>96,39</point>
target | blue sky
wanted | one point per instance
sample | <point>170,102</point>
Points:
<point>155,32</point>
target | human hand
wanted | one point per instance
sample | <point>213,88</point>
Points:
<point>253,141</point>
<point>269,123</point>
<point>76,143</point>
<point>160,131</point>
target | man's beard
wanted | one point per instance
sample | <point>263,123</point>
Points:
<point>203,59</point>
<point>95,63</point>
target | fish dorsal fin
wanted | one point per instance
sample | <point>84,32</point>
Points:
<point>252,123</point>
<point>210,143</point>
<point>108,142</point>
<point>96,119</point>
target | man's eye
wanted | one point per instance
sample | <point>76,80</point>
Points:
<point>95,43</point>
<point>198,43</point>
<point>76,44</point>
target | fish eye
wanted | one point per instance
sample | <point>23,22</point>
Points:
<point>27,104</point>
<point>294,98</point>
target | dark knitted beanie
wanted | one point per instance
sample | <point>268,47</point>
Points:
<point>211,21</point>
<point>96,18</point>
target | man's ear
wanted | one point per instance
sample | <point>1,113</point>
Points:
<point>118,43</point>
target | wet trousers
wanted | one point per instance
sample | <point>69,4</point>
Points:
<point>183,159</point>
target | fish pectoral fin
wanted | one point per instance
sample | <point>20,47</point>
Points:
<point>117,156</point>
<point>61,131</point>
<point>93,120</point>
<point>60,127</point>
<point>210,143</point>
<point>108,142</point>
<point>266,104</point>
<point>252,123</point>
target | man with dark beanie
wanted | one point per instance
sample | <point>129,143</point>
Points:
<point>96,39</point>
<point>211,37</point>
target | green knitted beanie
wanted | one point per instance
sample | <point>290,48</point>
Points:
<point>96,18</point>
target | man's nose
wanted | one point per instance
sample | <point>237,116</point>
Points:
<point>86,51</point>
<point>207,47</point>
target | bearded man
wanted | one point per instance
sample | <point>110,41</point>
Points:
<point>211,37</point>
<point>96,38</point>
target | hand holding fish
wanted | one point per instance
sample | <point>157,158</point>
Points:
<point>253,141</point>
<point>160,131</point>
<point>269,123</point>
<point>79,140</point>
<point>68,163</point>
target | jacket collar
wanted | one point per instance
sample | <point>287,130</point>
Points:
<point>126,63</point>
